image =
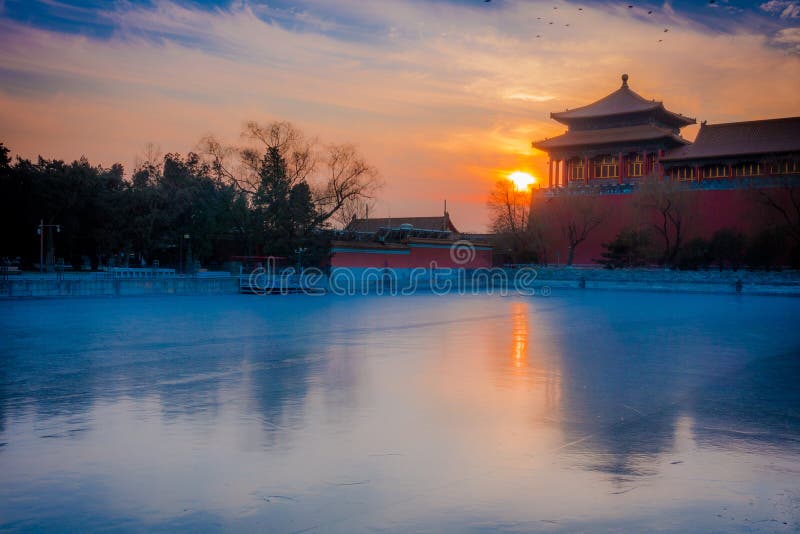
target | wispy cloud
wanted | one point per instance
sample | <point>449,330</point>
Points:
<point>783,8</point>
<point>441,97</point>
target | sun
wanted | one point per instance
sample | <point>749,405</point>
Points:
<point>522,180</point>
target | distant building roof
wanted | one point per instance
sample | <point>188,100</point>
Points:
<point>623,101</point>
<point>442,222</point>
<point>602,136</point>
<point>741,138</point>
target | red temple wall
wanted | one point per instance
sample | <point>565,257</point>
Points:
<point>416,256</point>
<point>709,211</point>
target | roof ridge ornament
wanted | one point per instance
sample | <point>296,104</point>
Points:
<point>624,80</point>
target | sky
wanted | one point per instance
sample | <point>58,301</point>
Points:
<point>444,97</point>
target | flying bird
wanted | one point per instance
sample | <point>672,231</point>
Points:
<point>666,30</point>
<point>650,12</point>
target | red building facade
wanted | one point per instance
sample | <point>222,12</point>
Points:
<point>613,145</point>
<point>404,244</point>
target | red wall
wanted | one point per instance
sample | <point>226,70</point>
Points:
<point>709,211</point>
<point>415,256</point>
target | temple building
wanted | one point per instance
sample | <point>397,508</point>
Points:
<point>612,145</point>
<point>617,139</point>
<point>762,150</point>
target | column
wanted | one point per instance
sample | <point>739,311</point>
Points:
<point>586,170</point>
<point>697,174</point>
<point>550,173</point>
<point>619,167</point>
<point>557,177</point>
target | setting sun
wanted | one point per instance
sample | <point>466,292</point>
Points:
<point>522,180</point>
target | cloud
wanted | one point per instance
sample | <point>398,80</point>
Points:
<point>789,38</point>
<point>783,8</point>
<point>443,98</point>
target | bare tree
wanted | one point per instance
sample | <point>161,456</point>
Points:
<point>357,209</point>
<point>342,181</point>
<point>672,207</point>
<point>349,180</point>
<point>784,203</point>
<point>578,216</point>
<point>240,164</point>
<point>511,218</point>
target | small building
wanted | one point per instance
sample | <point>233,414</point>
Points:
<point>407,243</point>
<point>439,223</point>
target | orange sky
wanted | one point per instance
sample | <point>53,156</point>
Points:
<point>443,98</point>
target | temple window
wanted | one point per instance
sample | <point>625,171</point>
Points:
<point>636,165</point>
<point>576,169</point>
<point>606,167</point>
<point>715,171</point>
<point>749,168</point>
<point>683,174</point>
<point>786,166</point>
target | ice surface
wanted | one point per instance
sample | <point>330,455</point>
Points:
<point>580,411</point>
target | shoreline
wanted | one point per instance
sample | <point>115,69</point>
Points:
<point>546,280</point>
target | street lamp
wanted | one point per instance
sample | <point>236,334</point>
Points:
<point>40,231</point>
<point>299,251</point>
<point>180,253</point>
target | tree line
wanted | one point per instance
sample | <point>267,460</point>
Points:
<point>268,195</point>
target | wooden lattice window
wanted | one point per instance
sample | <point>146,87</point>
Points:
<point>749,168</point>
<point>576,169</point>
<point>786,166</point>
<point>715,171</point>
<point>606,167</point>
<point>636,165</point>
<point>683,174</point>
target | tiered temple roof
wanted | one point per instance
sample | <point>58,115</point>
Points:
<point>624,116</point>
<point>623,101</point>
<point>605,136</point>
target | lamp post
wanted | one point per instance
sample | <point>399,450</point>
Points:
<point>40,231</point>
<point>299,251</point>
<point>180,253</point>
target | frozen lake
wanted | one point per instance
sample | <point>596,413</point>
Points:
<point>582,410</point>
